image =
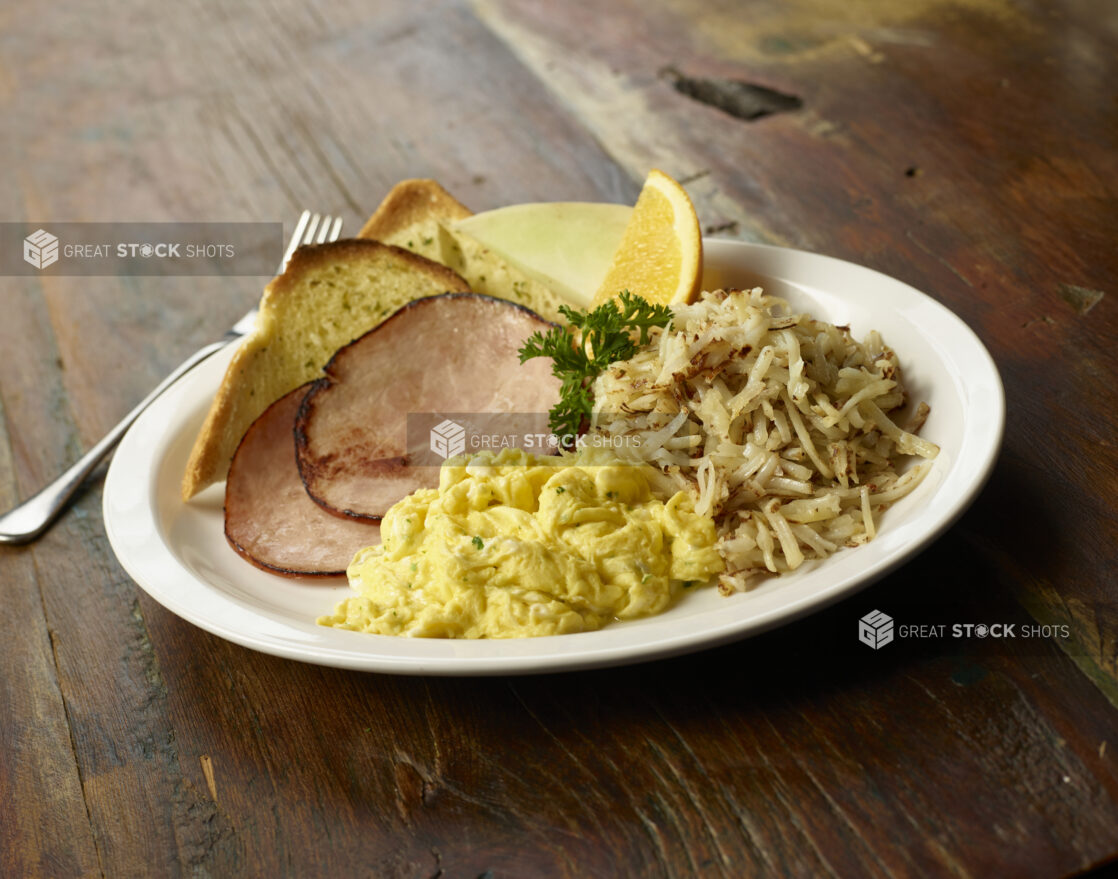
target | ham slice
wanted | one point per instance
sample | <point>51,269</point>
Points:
<point>268,517</point>
<point>456,353</point>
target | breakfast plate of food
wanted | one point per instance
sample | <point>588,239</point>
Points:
<point>722,437</point>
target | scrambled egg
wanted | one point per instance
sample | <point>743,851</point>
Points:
<point>512,545</point>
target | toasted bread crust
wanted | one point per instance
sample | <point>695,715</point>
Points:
<point>409,204</point>
<point>262,371</point>
<point>314,256</point>
<point>419,215</point>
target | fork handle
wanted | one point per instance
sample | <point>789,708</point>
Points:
<point>31,518</point>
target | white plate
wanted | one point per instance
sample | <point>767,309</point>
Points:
<point>178,554</point>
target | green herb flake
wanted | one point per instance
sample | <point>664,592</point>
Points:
<point>478,543</point>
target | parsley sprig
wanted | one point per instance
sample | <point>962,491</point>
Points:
<point>599,338</point>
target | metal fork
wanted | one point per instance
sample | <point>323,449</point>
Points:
<point>31,518</point>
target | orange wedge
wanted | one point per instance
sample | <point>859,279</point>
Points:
<point>661,253</point>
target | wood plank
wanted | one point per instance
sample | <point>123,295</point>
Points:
<point>934,147</point>
<point>105,671</point>
<point>801,752</point>
<point>45,829</point>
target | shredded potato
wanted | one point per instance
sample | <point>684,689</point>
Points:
<point>777,423</point>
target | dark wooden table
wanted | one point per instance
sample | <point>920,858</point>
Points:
<point>965,147</point>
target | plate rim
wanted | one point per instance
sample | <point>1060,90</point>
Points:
<point>127,520</point>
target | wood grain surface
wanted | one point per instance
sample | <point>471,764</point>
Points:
<point>967,148</point>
